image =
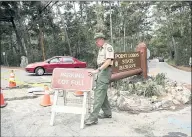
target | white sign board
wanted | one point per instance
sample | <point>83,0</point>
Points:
<point>71,79</point>
<point>3,53</point>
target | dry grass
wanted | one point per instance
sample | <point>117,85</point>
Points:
<point>12,67</point>
<point>188,69</point>
<point>184,68</point>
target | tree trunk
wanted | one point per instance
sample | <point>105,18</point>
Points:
<point>41,41</point>
<point>24,42</point>
<point>17,35</point>
<point>23,30</point>
<point>191,16</point>
<point>174,45</point>
<point>78,49</point>
<point>124,37</point>
<point>66,34</point>
<point>111,25</point>
<point>19,52</point>
<point>52,50</point>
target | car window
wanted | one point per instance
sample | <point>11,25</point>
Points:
<point>67,60</point>
<point>55,60</point>
<point>60,59</point>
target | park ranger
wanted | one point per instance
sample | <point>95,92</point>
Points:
<point>104,62</point>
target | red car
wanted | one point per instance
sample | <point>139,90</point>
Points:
<point>47,66</point>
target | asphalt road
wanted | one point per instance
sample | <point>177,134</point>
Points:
<point>22,77</point>
<point>172,73</point>
<point>155,67</point>
<point>28,118</point>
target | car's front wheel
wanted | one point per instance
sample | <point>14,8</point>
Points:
<point>39,71</point>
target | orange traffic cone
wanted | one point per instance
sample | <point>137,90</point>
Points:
<point>46,98</point>
<point>3,103</point>
<point>78,93</point>
<point>12,82</point>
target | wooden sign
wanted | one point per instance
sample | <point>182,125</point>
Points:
<point>74,79</point>
<point>126,61</point>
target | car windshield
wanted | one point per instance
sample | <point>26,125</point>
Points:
<point>54,60</point>
<point>47,60</point>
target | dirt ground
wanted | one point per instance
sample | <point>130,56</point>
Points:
<point>23,116</point>
<point>13,67</point>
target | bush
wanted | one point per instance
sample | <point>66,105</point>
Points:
<point>141,87</point>
<point>160,79</point>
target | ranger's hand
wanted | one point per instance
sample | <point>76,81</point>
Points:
<point>93,72</point>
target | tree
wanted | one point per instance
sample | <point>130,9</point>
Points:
<point>174,27</point>
<point>41,30</point>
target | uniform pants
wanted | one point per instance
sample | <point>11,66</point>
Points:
<point>100,93</point>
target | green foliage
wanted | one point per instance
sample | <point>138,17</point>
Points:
<point>171,61</point>
<point>141,87</point>
<point>173,33</point>
<point>150,90</point>
<point>131,23</point>
<point>160,79</point>
<point>147,89</point>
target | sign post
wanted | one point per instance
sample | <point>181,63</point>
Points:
<point>142,48</point>
<point>71,79</point>
<point>148,53</point>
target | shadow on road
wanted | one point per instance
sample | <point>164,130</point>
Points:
<point>175,134</point>
<point>37,75</point>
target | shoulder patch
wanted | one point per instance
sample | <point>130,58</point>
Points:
<point>109,49</point>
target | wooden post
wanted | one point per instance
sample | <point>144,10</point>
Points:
<point>142,48</point>
<point>125,74</point>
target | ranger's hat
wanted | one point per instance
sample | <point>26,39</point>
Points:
<point>99,35</point>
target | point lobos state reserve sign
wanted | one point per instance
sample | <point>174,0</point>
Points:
<point>126,61</point>
<point>74,79</point>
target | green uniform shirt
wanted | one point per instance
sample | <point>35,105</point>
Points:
<point>105,52</point>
